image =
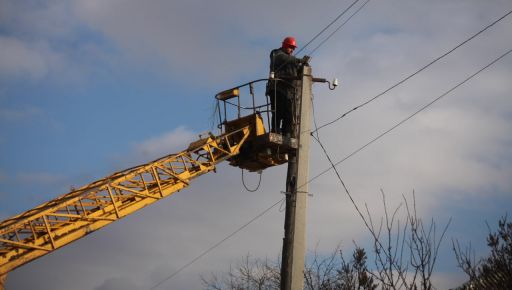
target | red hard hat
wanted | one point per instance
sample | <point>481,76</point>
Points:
<point>289,42</point>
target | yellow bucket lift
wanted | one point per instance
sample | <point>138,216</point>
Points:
<point>262,149</point>
<point>244,142</point>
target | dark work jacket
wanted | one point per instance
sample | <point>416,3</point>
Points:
<point>285,67</point>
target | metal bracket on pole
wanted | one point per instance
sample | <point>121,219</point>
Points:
<point>298,191</point>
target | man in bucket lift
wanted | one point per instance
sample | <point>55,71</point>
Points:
<point>281,89</point>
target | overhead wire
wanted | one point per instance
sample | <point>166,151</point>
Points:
<point>316,48</point>
<point>317,138</point>
<point>416,72</point>
<point>338,175</point>
<point>327,27</point>
<point>281,200</point>
<point>211,248</point>
<point>333,165</point>
<point>361,215</point>
<point>407,118</point>
<point>273,70</point>
<point>278,202</point>
<point>323,30</point>
<point>339,27</point>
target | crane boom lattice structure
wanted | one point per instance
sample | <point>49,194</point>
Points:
<point>69,217</point>
<point>243,141</point>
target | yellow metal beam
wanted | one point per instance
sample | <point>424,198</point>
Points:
<point>69,217</point>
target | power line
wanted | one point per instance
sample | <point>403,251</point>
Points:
<point>333,166</point>
<point>327,27</point>
<point>317,138</point>
<point>323,30</point>
<point>204,253</point>
<point>339,27</point>
<point>268,209</point>
<point>370,229</point>
<point>417,72</point>
<point>355,152</point>
<point>408,118</point>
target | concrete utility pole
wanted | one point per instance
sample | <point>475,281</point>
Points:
<point>294,243</point>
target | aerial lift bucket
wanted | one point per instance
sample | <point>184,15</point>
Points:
<point>262,149</point>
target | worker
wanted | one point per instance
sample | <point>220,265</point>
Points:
<point>281,88</point>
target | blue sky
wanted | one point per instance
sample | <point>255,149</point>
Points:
<point>90,87</point>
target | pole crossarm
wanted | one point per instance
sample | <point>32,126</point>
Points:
<point>71,216</point>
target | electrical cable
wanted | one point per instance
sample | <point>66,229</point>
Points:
<point>376,239</point>
<point>322,31</point>
<point>204,253</point>
<point>358,150</point>
<point>333,166</point>
<point>317,138</point>
<point>327,27</point>
<point>311,41</point>
<point>417,72</point>
<point>245,225</point>
<point>339,27</point>
<point>406,119</point>
<point>257,186</point>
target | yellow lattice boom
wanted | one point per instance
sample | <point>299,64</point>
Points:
<point>69,217</point>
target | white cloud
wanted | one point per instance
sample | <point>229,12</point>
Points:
<point>448,280</point>
<point>447,146</point>
<point>154,147</point>
<point>460,146</point>
<point>19,114</point>
<point>200,42</point>
<point>20,59</point>
<point>30,30</point>
<point>170,142</point>
<point>44,19</point>
<point>38,178</point>
<point>44,40</point>
<point>121,283</point>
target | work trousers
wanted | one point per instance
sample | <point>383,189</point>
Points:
<point>281,121</point>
